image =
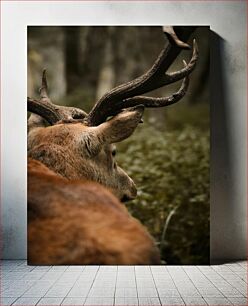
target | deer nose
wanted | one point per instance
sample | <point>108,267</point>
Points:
<point>131,194</point>
<point>133,191</point>
<point>125,198</point>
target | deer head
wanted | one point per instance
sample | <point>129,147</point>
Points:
<point>77,145</point>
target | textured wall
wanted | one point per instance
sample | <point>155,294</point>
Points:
<point>229,97</point>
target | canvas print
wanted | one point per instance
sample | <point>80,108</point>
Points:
<point>118,145</point>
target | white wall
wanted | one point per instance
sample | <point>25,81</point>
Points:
<point>229,97</point>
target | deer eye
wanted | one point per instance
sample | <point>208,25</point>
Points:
<point>113,152</point>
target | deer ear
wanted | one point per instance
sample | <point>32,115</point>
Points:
<point>120,126</point>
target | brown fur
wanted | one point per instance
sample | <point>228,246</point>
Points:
<point>77,151</point>
<point>81,222</point>
<point>71,218</point>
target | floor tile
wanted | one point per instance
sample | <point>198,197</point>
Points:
<point>217,301</point>
<point>166,301</point>
<point>7,300</point>
<point>239,301</point>
<point>99,301</point>
<point>199,301</point>
<point>164,292</point>
<point>125,269</point>
<point>50,301</point>
<point>145,282</point>
<point>147,292</point>
<point>126,301</point>
<point>79,291</point>
<point>75,269</point>
<point>102,292</point>
<point>124,285</point>
<point>73,301</point>
<point>26,301</point>
<point>58,291</point>
<point>39,289</point>
<point>149,301</point>
<point>126,292</point>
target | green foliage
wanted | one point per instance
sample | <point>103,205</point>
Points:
<point>171,170</point>
<point>196,115</point>
<point>79,98</point>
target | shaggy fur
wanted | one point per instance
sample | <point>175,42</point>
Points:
<point>77,151</point>
<point>71,218</point>
<point>81,222</point>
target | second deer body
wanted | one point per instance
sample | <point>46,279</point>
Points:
<point>81,222</point>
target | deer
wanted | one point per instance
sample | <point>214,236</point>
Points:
<point>76,190</point>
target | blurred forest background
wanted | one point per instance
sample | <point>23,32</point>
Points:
<point>168,155</point>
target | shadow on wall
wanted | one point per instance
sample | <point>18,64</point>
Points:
<point>225,229</point>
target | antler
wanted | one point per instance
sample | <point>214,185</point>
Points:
<point>51,112</point>
<point>125,95</point>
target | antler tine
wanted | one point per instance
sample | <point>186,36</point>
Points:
<point>152,102</point>
<point>113,101</point>
<point>172,36</point>
<point>178,75</point>
<point>51,112</point>
<point>44,107</point>
<point>43,89</point>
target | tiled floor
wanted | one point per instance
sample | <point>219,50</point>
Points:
<point>123,285</point>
